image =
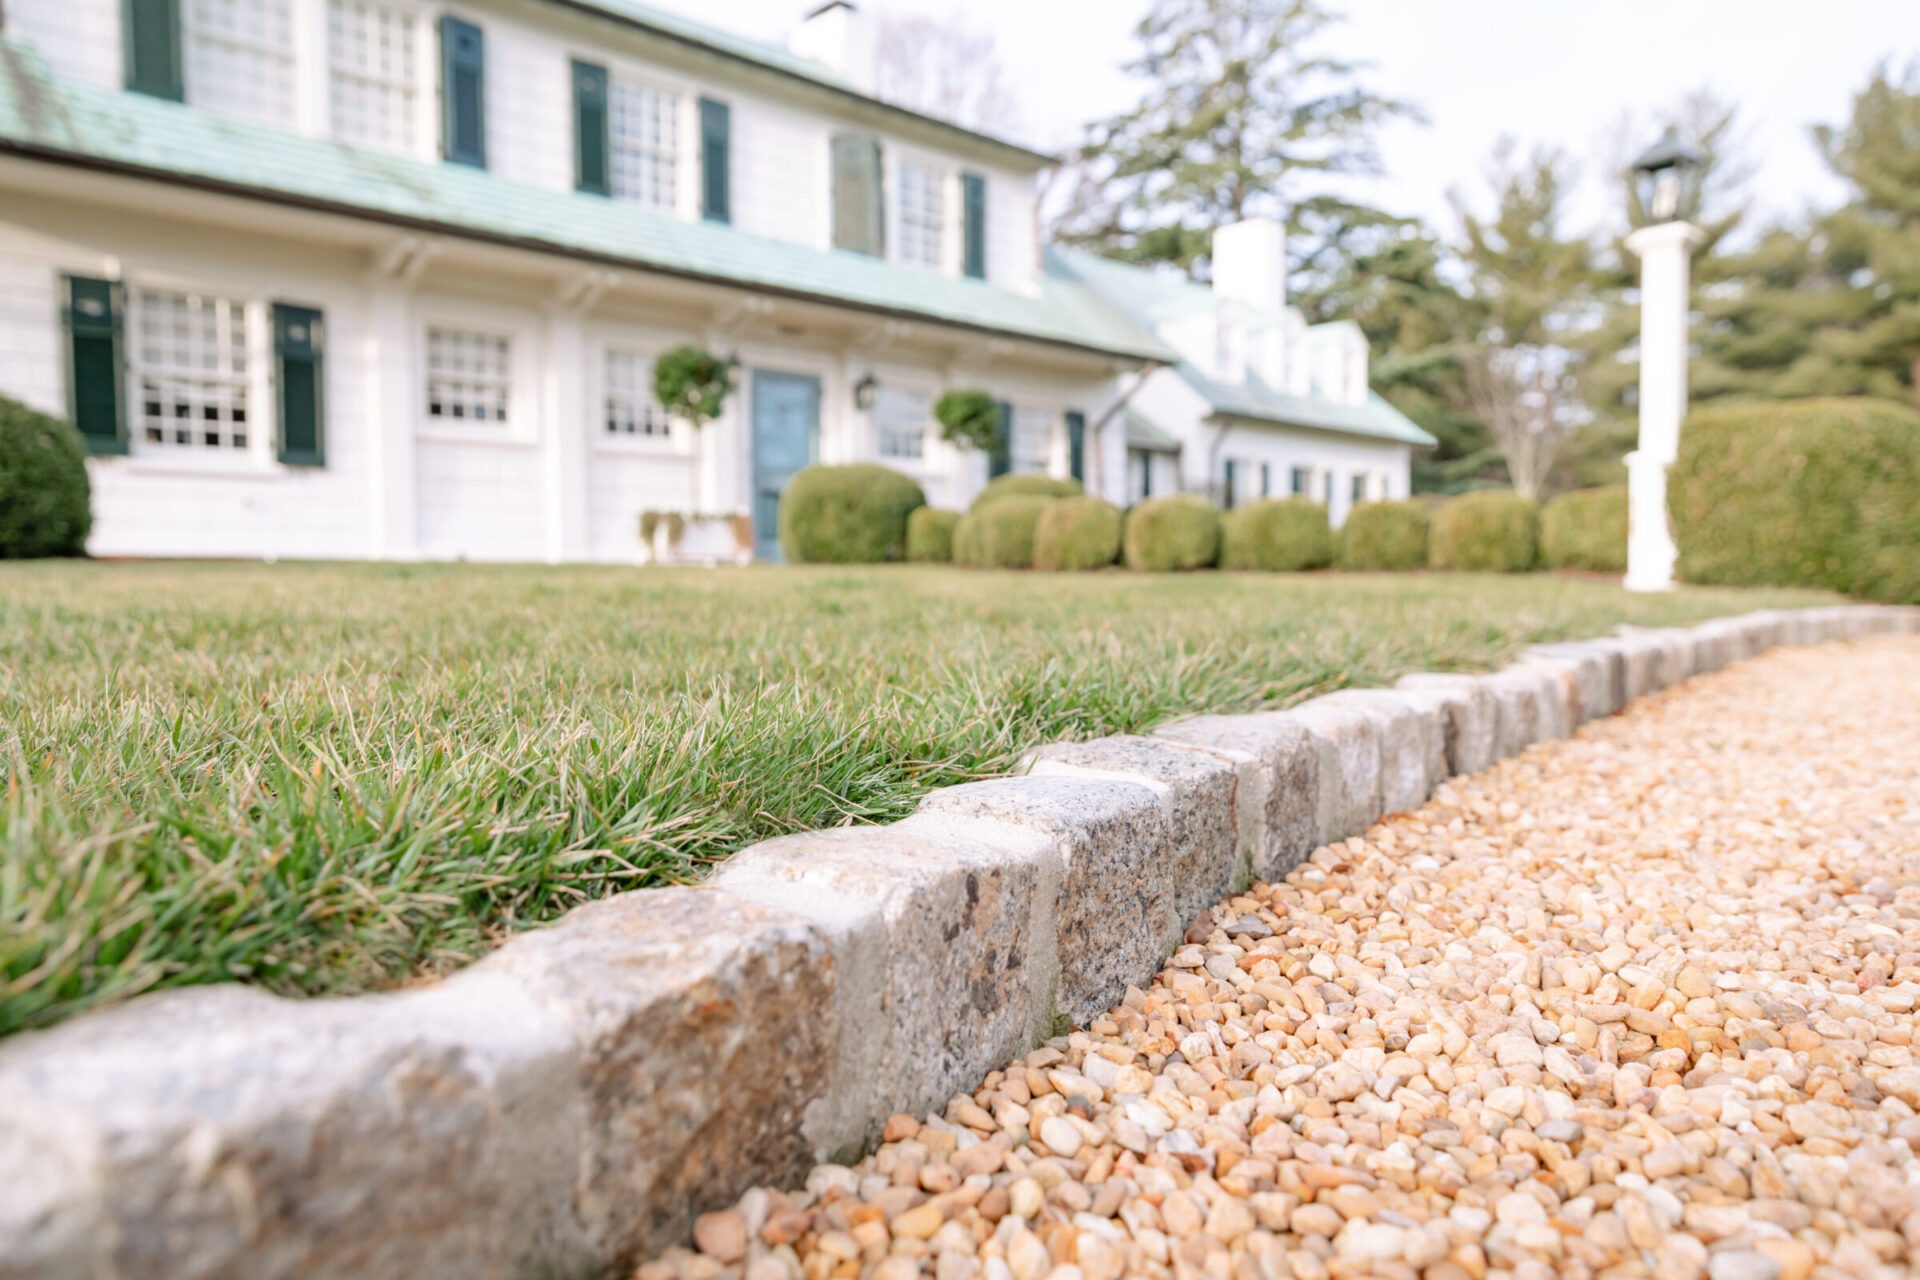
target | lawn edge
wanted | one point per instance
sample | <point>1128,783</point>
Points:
<point>566,1105</point>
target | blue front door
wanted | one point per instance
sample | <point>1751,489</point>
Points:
<point>786,423</point>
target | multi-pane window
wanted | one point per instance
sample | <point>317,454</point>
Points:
<point>1032,444</point>
<point>190,370</point>
<point>643,133</point>
<point>1301,482</point>
<point>469,376</point>
<point>921,216</point>
<point>901,419</point>
<point>631,407</point>
<point>373,79</point>
<point>240,59</point>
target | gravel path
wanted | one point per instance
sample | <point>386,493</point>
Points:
<point>1639,1003</point>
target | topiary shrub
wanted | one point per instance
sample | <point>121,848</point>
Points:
<point>854,514</point>
<point>44,495</point>
<point>1586,529</point>
<point>692,384</point>
<point>1494,530</point>
<point>970,419</point>
<point>1385,535</point>
<point>1006,531</point>
<point>1077,533</point>
<point>966,542</point>
<point>1809,493</point>
<point>1026,486</point>
<point>930,535</point>
<point>1172,533</point>
<point>1279,535</point>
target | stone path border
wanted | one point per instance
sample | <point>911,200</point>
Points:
<point>566,1105</point>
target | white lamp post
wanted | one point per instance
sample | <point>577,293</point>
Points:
<point>1666,175</point>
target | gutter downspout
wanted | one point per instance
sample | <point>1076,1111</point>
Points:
<point>1147,370</point>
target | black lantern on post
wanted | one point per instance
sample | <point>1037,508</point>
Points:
<point>1667,178</point>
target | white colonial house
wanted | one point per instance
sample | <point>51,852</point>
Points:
<point>1258,403</point>
<point>385,279</point>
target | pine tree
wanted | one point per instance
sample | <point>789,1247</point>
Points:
<point>1237,110</point>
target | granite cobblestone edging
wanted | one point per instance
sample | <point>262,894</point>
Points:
<point>566,1105</point>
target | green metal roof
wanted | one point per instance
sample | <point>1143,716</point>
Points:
<point>1143,433</point>
<point>128,133</point>
<point>781,61</point>
<point>1151,298</point>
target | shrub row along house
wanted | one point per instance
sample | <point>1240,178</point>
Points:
<point>387,279</point>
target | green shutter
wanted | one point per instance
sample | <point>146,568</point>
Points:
<point>716,161</point>
<point>463,101</point>
<point>858,210</point>
<point>973,201</point>
<point>1227,503</point>
<point>590,129</point>
<point>1077,444</point>
<point>93,363</point>
<point>1000,461</point>
<point>151,45</point>
<point>299,348</point>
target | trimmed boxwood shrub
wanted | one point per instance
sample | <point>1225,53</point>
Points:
<point>1494,530</point>
<point>1181,531</point>
<point>1586,529</point>
<point>966,541</point>
<point>855,514</point>
<point>930,535</point>
<point>1804,493</point>
<point>1384,535</point>
<point>1279,535</point>
<point>1006,530</point>
<point>1026,486</point>
<point>44,495</point>
<point>1077,533</point>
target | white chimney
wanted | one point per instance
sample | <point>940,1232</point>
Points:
<point>836,36</point>
<point>1250,272</point>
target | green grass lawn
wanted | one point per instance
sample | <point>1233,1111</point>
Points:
<point>330,779</point>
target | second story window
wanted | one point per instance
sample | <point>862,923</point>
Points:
<point>469,376</point>
<point>643,128</point>
<point>239,58</point>
<point>373,75</point>
<point>922,216</point>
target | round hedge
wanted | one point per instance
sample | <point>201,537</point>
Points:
<point>1385,535</point>
<point>1077,533</point>
<point>1278,535</point>
<point>855,514</point>
<point>1586,529</point>
<point>1808,493</point>
<point>44,495</point>
<point>1026,486</point>
<point>1491,531</point>
<point>1181,531</point>
<point>1006,531</point>
<point>930,535</point>
<point>966,541</point>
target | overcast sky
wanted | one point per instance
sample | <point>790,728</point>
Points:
<point>1559,71</point>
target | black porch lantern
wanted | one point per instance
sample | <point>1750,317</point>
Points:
<point>1667,178</point>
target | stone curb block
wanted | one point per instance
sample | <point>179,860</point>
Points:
<point>569,1103</point>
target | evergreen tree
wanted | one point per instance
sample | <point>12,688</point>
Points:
<point>1238,108</point>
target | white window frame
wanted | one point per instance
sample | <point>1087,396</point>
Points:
<point>262,412</point>
<point>524,412</point>
<point>194,35</point>
<point>602,391</point>
<point>424,125</point>
<point>625,78</point>
<point>915,462</point>
<point>1015,459</point>
<point>938,179</point>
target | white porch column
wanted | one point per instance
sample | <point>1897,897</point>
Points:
<point>1665,251</point>
<point>395,398</point>
<point>564,451</point>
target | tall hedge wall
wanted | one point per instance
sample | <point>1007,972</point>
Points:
<point>1815,493</point>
